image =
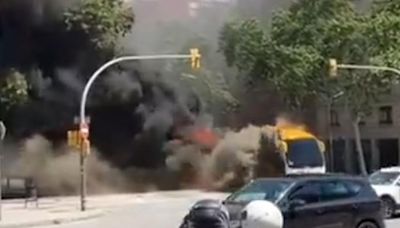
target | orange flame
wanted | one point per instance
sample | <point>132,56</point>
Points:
<point>205,137</point>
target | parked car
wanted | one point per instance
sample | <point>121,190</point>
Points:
<point>326,200</point>
<point>386,183</point>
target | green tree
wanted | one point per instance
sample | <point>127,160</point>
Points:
<point>383,31</point>
<point>104,21</point>
<point>13,91</point>
<point>292,56</point>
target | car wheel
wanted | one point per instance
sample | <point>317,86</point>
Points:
<point>388,207</point>
<point>367,225</point>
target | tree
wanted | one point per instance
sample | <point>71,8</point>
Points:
<point>104,21</point>
<point>292,56</point>
<point>384,21</point>
<point>13,91</point>
<point>78,36</point>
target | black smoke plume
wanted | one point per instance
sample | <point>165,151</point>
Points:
<point>133,110</point>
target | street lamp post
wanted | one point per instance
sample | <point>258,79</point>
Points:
<point>331,100</point>
<point>84,129</point>
<point>3,131</point>
<point>333,68</point>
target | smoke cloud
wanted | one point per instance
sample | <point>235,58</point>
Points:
<point>56,171</point>
<point>238,157</point>
<point>132,107</point>
<point>141,120</point>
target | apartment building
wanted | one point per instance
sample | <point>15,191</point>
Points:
<point>380,133</point>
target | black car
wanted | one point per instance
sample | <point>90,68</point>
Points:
<point>334,201</point>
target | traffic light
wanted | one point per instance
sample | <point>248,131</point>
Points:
<point>333,68</point>
<point>77,142</point>
<point>74,139</point>
<point>195,58</point>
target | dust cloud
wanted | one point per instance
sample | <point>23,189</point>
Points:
<point>238,157</point>
<point>56,171</point>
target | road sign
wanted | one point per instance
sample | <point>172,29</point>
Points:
<point>84,130</point>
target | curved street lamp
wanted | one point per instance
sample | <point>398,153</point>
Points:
<point>194,56</point>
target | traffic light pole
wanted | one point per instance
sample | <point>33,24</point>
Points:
<point>82,164</point>
<point>194,56</point>
<point>368,67</point>
<point>333,66</point>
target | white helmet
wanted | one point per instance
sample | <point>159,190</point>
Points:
<point>262,214</point>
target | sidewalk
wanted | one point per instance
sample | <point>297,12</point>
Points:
<point>59,210</point>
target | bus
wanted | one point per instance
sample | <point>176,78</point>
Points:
<point>300,150</point>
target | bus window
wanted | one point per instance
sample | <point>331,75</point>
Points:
<point>304,153</point>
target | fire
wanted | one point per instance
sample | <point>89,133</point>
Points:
<point>283,122</point>
<point>205,137</point>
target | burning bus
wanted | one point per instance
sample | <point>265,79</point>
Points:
<point>301,151</point>
<point>234,158</point>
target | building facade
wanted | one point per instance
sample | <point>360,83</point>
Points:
<point>380,133</point>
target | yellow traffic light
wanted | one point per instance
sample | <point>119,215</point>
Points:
<point>195,58</point>
<point>74,139</point>
<point>70,137</point>
<point>333,68</point>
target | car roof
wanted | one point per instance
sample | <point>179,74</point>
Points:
<point>306,177</point>
<point>390,169</point>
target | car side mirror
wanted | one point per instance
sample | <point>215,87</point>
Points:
<point>295,203</point>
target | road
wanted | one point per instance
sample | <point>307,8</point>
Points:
<point>152,215</point>
<point>393,223</point>
<point>157,213</point>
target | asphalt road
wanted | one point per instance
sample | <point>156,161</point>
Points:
<point>157,213</point>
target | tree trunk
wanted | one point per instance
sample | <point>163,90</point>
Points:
<point>2,130</point>
<point>359,149</point>
<point>330,135</point>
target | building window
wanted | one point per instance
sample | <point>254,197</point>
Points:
<point>334,121</point>
<point>385,115</point>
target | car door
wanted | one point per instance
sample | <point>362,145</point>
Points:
<point>397,186</point>
<point>302,215</point>
<point>336,205</point>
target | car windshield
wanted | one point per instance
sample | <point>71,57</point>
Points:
<point>383,178</point>
<point>269,190</point>
<point>304,153</point>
